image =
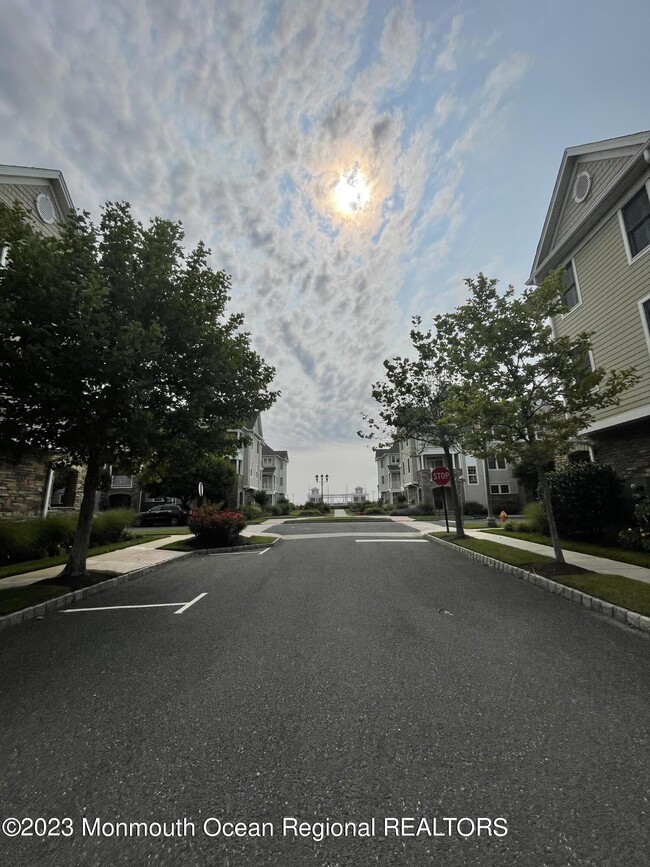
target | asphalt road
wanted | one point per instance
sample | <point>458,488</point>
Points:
<point>327,680</point>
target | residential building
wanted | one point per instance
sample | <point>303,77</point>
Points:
<point>405,468</point>
<point>598,230</point>
<point>257,469</point>
<point>27,483</point>
<point>275,467</point>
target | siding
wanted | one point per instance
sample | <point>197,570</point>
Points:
<point>602,174</point>
<point>610,289</point>
<point>26,194</point>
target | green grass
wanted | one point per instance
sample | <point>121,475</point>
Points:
<point>194,544</point>
<point>60,559</point>
<point>616,589</point>
<point>636,558</point>
<point>16,598</point>
<point>328,520</point>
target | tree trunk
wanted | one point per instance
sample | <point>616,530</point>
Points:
<point>76,566</point>
<point>491,520</point>
<point>458,512</point>
<point>548,508</point>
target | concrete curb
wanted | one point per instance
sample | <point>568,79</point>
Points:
<point>623,615</point>
<point>68,598</point>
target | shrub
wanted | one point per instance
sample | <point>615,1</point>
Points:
<point>251,512</point>
<point>509,505</point>
<point>309,513</point>
<point>587,499</point>
<point>111,526</point>
<point>19,541</point>
<point>637,537</point>
<point>472,508</point>
<point>216,527</point>
<point>284,506</point>
<point>374,510</point>
<point>55,533</point>
<point>535,519</point>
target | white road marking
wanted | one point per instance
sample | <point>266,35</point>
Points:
<point>390,540</point>
<point>114,607</point>
<point>187,604</point>
<point>264,551</point>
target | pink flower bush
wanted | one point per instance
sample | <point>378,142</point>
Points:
<point>216,527</point>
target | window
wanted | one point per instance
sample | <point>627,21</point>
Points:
<point>497,464</point>
<point>499,489</point>
<point>644,310</point>
<point>472,474</point>
<point>570,296</point>
<point>636,222</point>
<point>382,480</point>
<point>4,252</point>
<point>584,360</point>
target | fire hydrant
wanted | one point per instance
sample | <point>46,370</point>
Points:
<point>503,516</point>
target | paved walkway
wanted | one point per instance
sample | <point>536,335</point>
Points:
<point>148,553</point>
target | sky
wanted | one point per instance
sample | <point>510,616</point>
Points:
<point>349,163</point>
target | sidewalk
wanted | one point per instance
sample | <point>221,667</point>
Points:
<point>124,560</point>
<point>574,558</point>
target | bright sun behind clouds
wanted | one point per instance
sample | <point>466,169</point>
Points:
<point>351,193</point>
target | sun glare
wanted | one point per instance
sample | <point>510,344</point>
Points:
<point>351,193</point>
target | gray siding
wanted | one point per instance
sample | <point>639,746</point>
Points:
<point>603,173</point>
<point>26,194</point>
<point>610,289</point>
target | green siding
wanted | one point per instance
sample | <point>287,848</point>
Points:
<point>610,290</point>
<point>26,194</point>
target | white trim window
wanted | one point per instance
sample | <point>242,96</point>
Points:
<point>472,474</point>
<point>634,218</point>
<point>571,296</point>
<point>499,489</point>
<point>497,463</point>
<point>644,311</point>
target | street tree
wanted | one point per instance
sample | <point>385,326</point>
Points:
<point>518,390</point>
<point>114,342</point>
<point>178,470</point>
<point>412,400</point>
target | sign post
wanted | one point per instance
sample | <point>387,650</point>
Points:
<point>441,477</point>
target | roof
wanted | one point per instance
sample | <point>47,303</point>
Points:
<point>13,174</point>
<point>392,450</point>
<point>267,450</point>
<point>635,146</point>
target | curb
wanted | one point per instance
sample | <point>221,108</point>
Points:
<point>623,615</point>
<point>68,598</point>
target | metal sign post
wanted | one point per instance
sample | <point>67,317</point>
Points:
<point>441,477</point>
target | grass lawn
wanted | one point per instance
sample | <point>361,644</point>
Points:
<point>194,544</point>
<point>616,589</point>
<point>327,520</point>
<point>16,598</point>
<point>60,559</point>
<point>636,558</point>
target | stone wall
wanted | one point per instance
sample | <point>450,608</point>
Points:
<point>22,486</point>
<point>627,449</point>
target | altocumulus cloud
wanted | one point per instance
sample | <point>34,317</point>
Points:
<point>239,118</point>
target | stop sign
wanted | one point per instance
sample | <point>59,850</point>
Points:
<point>440,476</point>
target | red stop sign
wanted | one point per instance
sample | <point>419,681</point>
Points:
<point>440,476</point>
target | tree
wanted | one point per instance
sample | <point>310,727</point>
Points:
<point>177,473</point>
<point>115,343</point>
<point>515,383</point>
<point>413,405</point>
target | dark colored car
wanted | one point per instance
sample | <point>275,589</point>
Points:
<point>167,514</point>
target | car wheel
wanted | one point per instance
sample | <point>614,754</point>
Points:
<point>173,522</point>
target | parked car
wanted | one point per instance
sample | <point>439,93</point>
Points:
<point>168,514</point>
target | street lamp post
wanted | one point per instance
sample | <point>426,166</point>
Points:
<point>322,479</point>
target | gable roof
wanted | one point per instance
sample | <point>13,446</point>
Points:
<point>14,174</point>
<point>627,162</point>
<point>267,450</point>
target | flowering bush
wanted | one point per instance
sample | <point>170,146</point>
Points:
<point>637,538</point>
<point>216,527</point>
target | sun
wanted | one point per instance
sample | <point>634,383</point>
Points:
<point>351,193</point>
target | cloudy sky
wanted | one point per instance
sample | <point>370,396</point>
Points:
<point>348,162</point>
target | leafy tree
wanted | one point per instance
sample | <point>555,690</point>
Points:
<point>114,342</point>
<point>178,471</point>
<point>261,498</point>
<point>514,383</point>
<point>413,405</point>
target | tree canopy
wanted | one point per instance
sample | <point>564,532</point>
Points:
<point>115,342</point>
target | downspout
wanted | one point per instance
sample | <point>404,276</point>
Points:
<point>49,482</point>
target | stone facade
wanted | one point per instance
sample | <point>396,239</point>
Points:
<point>22,486</point>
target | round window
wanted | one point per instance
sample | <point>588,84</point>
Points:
<point>45,208</point>
<point>581,187</point>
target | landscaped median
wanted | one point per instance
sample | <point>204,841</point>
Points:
<point>623,598</point>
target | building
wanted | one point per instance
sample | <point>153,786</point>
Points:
<point>275,467</point>
<point>259,467</point>
<point>404,471</point>
<point>29,484</point>
<point>598,230</point>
